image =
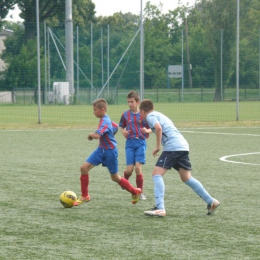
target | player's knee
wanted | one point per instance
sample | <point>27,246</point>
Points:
<point>138,170</point>
<point>84,168</point>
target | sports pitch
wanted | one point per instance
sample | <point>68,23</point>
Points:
<point>37,165</point>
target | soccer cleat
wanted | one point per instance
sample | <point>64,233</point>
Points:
<point>142,197</point>
<point>211,208</point>
<point>79,201</point>
<point>136,197</point>
<point>155,212</point>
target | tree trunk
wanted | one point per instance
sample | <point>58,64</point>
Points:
<point>217,96</point>
<point>30,31</point>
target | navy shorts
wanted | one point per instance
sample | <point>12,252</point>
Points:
<point>175,159</point>
<point>108,158</point>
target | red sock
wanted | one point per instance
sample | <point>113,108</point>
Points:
<point>127,186</point>
<point>140,181</point>
<point>126,176</point>
<point>84,181</point>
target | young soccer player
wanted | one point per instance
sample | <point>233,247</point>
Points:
<point>106,154</point>
<point>175,155</point>
<point>130,125</point>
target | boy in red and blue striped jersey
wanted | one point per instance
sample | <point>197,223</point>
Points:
<point>106,154</point>
<point>130,125</point>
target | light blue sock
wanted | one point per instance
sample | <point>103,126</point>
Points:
<point>159,189</point>
<point>199,189</point>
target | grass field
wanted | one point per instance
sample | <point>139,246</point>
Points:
<point>39,163</point>
<point>183,114</point>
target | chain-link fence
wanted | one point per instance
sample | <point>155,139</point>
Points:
<point>107,64</point>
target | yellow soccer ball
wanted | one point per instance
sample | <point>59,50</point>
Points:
<point>67,198</point>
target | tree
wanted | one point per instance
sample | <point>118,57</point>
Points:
<point>217,15</point>
<point>158,49</point>
<point>22,71</point>
<point>249,44</point>
<point>5,7</point>
<point>83,10</point>
<point>22,45</point>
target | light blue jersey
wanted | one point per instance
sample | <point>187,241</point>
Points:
<point>172,139</point>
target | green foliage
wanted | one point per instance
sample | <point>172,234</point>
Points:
<point>5,6</point>
<point>53,11</point>
<point>21,71</point>
<point>157,46</point>
<point>162,46</point>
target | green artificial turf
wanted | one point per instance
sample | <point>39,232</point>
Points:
<point>79,116</point>
<point>37,165</point>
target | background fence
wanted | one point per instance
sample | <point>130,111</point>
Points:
<point>107,60</point>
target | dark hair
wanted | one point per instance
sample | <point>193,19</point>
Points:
<point>146,105</point>
<point>133,94</point>
<point>100,103</point>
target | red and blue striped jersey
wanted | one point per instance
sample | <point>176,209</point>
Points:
<point>106,130</point>
<point>133,123</point>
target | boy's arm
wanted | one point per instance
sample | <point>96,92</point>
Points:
<point>115,127</point>
<point>124,132</point>
<point>158,133</point>
<point>146,131</point>
<point>92,136</point>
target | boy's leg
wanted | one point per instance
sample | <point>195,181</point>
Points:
<point>130,159</point>
<point>139,179</point>
<point>139,175</point>
<point>128,171</point>
<point>84,178</point>
<point>111,162</point>
<point>195,185</point>
<point>125,184</point>
<point>159,191</point>
<point>84,182</point>
<point>126,176</point>
<point>140,152</point>
<point>199,190</point>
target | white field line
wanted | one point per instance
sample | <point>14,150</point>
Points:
<point>217,133</point>
<point>46,130</point>
<point>223,127</point>
<point>224,158</point>
<point>181,129</point>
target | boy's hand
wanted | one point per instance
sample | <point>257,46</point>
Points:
<point>144,130</point>
<point>92,136</point>
<point>155,151</point>
<point>125,133</point>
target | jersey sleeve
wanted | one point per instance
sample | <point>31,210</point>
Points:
<point>102,127</point>
<point>122,122</point>
<point>152,121</point>
<point>115,127</point>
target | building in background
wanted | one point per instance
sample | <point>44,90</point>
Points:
<point>3,34</point>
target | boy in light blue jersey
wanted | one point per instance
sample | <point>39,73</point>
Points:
<point>175,155</point>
